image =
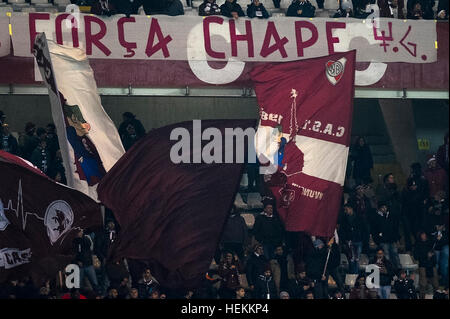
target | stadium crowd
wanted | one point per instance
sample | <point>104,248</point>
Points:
<point>262,260</point>
<point>415,9</point>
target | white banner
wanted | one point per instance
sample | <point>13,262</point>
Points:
<point>89,141</point>
<point>218,38</point>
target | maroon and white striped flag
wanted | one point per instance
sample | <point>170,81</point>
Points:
<point>309,103</point>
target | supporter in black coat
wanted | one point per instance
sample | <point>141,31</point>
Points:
<point>420,9</point>
<point>130,118</point>
<point>268,230</point>
<point>301,8</point>
<point>235,234</point>
<point>231,9</point>
<point>256,265</point>
<point>257,9</point>
<point>209,8</point>
<point>8,143</point>
<point>363,161</point>
<point>404,287</point>
<point>442,11</point>
<point>265,286</point>
<point>315,265</point>
<point>301,284</point>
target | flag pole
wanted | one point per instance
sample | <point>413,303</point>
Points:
<point>330,243</point>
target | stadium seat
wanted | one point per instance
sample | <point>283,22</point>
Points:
<point>39,2</point>
<point>239,202</point>
<point>363,262</point>
<point>344,261</point>
<point>16,1</point>
<point>249,220</point>
<point>350,280</point>
<point>331,4</point>
<point>407,263</point>
<point>61,2</point>
<point>244,180</point>
<point>254,201</point>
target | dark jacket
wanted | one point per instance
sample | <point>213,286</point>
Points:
<point>139,128</point>
<point>442,156</point>
<point>268,230</point>
<point>255,267</point>
<point>29,145</point>
<point>308,10</point>
<point>82,249</point>
<point>315,263</point>
<point>387,270</point>
<point>353,228</point>
<point>443,5</point>
<point>426,9</point>
<point>228,7</point>
<point>174,8</point>
<point>296,287</point>
<point>363,162</point>
<point>230,274</point>
<point>236,230</point>
<point>385,228</point>
<point>41,158</point>
<point>208,9</point>
<point>389,194</point>
<point>421,251</point>
<point>265,286</point>
<point>9,144</point>
<point>257,11</point>
<point>405,289</point>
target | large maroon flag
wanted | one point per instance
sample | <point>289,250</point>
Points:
<point>38,221</point>
<point>171,215</point>
<point>310,104</point>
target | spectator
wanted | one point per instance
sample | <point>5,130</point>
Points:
<point>442,155</point>
<point>152,7</point>
<point>360,290</point>
<point>231,9</point>
<point>257,9</point>
<point>265,286</point>
<point>174,8</point>
<point>255,266</point>
<point>83,247</point>
<point>2,118</point>
<point>128,118</point>
<point>229,270</point>
<point>363,208</point>
<point>300,284</point>
<point>52,140</point>
<point>345,10</point>
<point>235,233</point>
<point>134,294</point>
<point>420,9</point>
<point>387,272</point>
<point>315,266</point>
<point>436,226</point>
<point>8,143</point>
<point>130,137</point>
<point>353,232</point>
<point>389,8</point>
<point>56,170</point>
<point>412,212</point>
<point>301,8</point>
<point>363,162</point>
<point>284,295</point>
<point>124,288</point>
<point>425,254</point>
<point>282,266</point>
<point>386,234</point>
<point>309,294</point>
<point>436,177</point>
<point>388,193</point>
<point>442,11</point>
<point>127,7</point>
<point>240,293</point>
<point>268,230</point>
<point>112,294</point>
<point>30,141</point>
<point>208,8</point>
<point>147,284</point>
<point>40,157</point>
<point>404,286</point>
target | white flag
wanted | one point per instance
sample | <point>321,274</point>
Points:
<point>89,141</point>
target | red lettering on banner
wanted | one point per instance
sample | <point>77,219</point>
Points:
<point>130,46</point>
<point>207,37</point>
<point>155,29</point>
<point>58,29</point>
<point>32,17</point>
<point>271,31</point>
<point>299,25</point>
<point>247,37</point>
<point>330,39</point>
<point>94,39</point>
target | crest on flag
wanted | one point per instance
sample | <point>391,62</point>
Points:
<point>335,70</point>
<point>58,220</point>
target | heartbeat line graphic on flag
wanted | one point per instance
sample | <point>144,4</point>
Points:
<point>18,210</point>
